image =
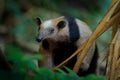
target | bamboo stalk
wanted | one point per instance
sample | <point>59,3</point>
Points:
<point>115,27</point>
<point>111,58</point>
<point>108,24</point>
<point>111,6</point>
<point>115,59</point>
<point>117,70</point>
<point>109,62</point>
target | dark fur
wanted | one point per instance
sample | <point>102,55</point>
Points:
<point>65,50</point>
<point>45,44</point>
<point>61,53</point>
<point>73,29</point>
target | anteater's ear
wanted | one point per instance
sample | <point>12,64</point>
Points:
<point>38,21</point>
<point>61,24</point>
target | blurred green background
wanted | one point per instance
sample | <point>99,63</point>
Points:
<point>18,28</point>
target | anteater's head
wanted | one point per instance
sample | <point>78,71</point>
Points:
<point>59,29</point>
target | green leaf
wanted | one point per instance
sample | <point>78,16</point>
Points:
<point>94,77</point>
<point>61,71</point>
<point>30,65</point>
<point>60,76</point>
<point>68,69</point>
<point>47,72</point>
<point>32,57</point>
<point>13,52</point>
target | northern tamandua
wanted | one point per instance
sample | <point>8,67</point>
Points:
<point>60,37</point>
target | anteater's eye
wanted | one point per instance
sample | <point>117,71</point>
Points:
<point>51,30</point>
<point>61,24</point>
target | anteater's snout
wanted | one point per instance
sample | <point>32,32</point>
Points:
<point>39,38</point>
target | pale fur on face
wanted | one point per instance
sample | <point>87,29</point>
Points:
<point>47,24</point>
<point>57,35</point>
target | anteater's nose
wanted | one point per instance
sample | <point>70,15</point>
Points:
<point>37,39</point>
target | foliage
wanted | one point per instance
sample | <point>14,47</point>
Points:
<point>25,69</point>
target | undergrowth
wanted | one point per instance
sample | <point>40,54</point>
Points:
<point>23,68</point>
